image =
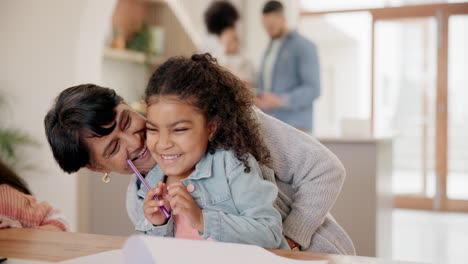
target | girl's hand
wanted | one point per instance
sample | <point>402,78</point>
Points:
<point>6,222</point>
<point>182,203</point>
<point>151,208</point>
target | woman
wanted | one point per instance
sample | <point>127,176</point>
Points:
<point>91,126</point>
<point>220,20</point>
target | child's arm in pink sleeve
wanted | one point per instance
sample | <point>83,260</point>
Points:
<point>54,220</point>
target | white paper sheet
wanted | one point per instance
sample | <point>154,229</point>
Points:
<point>158,250</point>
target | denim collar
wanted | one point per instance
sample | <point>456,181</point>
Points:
<point>202,171</point>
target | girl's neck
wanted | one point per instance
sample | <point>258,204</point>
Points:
<point>172,179</point>
<point>176,178</point>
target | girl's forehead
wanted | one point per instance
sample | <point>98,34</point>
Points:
<point>159,100</point>
<point>155,99</point>
<point>169,111</point>
<point>166,108</point>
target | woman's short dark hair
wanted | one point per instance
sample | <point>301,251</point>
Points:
<point>79,112</point>
<point>219,16</point>
<point>273,7</point>
<point>8,176</point>
<point>220,96</point>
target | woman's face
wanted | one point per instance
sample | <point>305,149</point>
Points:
<point>230,41</point>
<point>127,141</point>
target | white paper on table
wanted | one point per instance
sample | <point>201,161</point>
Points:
<point>160,250</point>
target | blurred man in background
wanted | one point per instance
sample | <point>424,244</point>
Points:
<point>289,78</point>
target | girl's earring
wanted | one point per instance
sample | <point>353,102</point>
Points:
<point>106,178</point>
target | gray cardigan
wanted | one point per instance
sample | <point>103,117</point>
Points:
<point>309,178</point>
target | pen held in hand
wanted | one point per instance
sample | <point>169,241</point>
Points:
<point>138,174</point>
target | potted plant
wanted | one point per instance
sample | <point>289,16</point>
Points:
<point>12,140</point>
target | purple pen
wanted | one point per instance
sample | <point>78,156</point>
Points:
<point>138,174</point>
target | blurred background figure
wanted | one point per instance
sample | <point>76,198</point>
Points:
<point>289,79</point>
<point>19,209</point>
<point>220,20</point>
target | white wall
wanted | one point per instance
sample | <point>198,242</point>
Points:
<point>128,79</point>
<point>45,47</point>
<point>343,42</point>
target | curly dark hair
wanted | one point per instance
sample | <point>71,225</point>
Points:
<point>220,96</point>
<point>219,16</point>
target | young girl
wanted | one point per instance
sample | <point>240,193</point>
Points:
<point>201,132</point>
<point>18,208</point>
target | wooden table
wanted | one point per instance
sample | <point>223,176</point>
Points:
<point>54,246</point>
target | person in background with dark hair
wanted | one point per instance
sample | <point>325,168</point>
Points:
<point>18,208</point>
<point>90,126</point>
<point>289,79</point>
<point>220,20</point>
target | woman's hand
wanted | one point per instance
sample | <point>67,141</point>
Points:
<point>153,213</point>
<point>6,222</point>
<point>293,244</point>
<point>182,203</point>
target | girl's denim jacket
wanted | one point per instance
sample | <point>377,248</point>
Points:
<point>237,206</point>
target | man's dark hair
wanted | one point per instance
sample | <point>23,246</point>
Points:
<point>79,112</point>
<point>9,177</point>
<point>219,16</point>
<point>273,7</point>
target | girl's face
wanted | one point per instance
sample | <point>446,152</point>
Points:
<point>177,134</point>
<point>127,140</point>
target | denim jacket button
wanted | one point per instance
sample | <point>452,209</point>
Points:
<point>190,188</point>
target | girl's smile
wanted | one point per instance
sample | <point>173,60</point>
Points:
<point>170,159</point>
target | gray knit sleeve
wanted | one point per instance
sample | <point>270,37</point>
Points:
<point>315,174</point>
<point>131,202</point>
